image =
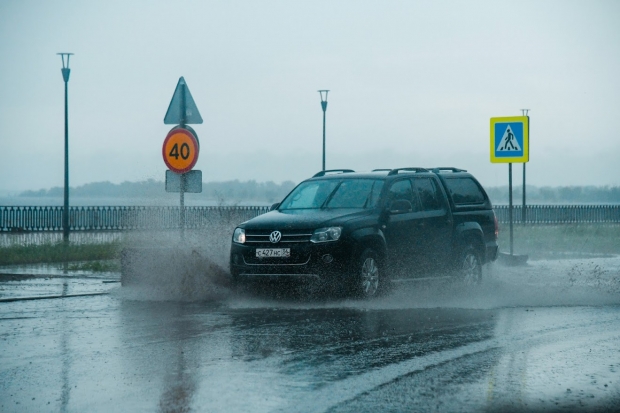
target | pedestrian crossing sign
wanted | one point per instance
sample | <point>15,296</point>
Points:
<point>510,139</point>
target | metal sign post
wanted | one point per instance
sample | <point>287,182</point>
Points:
<point>510,143</point>
<point>510,206</point>
<point>182,206</point>
<point>181,146</point>
<point>523,207</point>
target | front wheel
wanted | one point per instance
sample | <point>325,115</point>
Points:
<point>469,267</point>
<point>368,277</point>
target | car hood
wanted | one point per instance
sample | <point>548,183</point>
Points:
<point>303,219</point>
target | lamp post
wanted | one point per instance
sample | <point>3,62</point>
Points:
<point>324,106</point>
<point>65,212</point>
<point>523,207</point>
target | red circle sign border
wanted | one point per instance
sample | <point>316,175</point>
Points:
<point>194,142</point>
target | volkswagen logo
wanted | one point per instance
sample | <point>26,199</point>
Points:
<point>275,237</point>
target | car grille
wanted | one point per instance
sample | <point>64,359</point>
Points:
<point>262,237</point>
<point>294,259</point>
<point>297,241</point>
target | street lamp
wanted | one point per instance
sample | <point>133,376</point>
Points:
<point>324,106</point>
<point>65,212</point>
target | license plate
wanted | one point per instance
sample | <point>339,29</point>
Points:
<point>273,252</point>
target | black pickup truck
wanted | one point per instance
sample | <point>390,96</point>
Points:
<point>362,230</point>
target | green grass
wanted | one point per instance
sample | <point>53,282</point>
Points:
<point>546,241</point>
<point>95,266</point>
<point>58,252</point>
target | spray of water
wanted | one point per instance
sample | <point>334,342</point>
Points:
<point>539,283</point>
<point>566,282</point>
<point>165,266</point>
<point>171,266</point>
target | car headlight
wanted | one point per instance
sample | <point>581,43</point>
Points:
<point>239,236</point>
<point>326,234</point>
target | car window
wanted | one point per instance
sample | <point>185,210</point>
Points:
<point>464,191</point>
<point>356,193</point>
<point>331,193</point>
<point>427,191</point>
<point>403,190</point>
<point>309,195</point>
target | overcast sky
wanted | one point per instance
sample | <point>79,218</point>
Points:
<point>413,83</point>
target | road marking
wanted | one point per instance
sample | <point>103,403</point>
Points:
<point>352,387</point>
<point>45,297</point>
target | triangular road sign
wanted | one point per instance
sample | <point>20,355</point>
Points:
<point>508,141</point>
<point>182,109</point>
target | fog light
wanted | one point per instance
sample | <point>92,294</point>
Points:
<point>327,258</point>
<point>236,259</point>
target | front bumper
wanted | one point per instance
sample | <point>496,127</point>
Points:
<point>308,260</point>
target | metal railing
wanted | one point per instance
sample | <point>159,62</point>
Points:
<point>560,214</point>
<point>121,218</point>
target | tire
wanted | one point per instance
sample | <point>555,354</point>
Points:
<point>469,267</point>
<point>367,281</point>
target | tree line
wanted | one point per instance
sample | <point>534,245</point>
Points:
<point>223,192</point>
<point>557,195</point>
<point>228,192</point>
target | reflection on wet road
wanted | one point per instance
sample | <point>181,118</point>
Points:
<point>117,353</point>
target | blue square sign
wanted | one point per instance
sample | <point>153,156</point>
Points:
<point>510,139</point>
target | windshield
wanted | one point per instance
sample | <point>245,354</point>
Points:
<point>331,193</point>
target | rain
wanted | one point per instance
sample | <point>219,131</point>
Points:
<point>158,298</point>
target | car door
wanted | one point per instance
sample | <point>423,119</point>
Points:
<point>435,224</point>
<point>401,230</point>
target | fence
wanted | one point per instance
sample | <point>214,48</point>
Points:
<point>560,214</point>
<point>121,218</point>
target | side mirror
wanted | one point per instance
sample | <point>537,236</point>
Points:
<point>400,206</point>
<point>274,206</point>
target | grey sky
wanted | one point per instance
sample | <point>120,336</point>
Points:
<point>413,83</point>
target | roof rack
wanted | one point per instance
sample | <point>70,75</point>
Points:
<point>381,170</point>
<point>323,173</point>
<point>410,169</point>
<point>447,168</point>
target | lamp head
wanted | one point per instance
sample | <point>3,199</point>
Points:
<point>65,65</point>
<point>65,62</point>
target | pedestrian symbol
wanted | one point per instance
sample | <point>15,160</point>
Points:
<point>510,139</point>
<point>508,142</point>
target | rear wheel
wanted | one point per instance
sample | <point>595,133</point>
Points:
<point>469,267</point>
<point>368,278</point>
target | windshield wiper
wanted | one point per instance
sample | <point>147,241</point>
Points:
<point>330,196</point>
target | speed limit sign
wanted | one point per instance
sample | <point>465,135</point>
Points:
<point>180,150</point>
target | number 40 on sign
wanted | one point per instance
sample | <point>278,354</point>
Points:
<point>180,150</point>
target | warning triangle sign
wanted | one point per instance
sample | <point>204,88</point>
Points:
<point>508,142</point>
<point>182,109</point>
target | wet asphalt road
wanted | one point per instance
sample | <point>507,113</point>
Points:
<point>514,345</point>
